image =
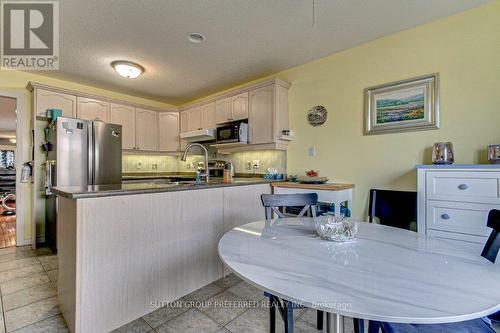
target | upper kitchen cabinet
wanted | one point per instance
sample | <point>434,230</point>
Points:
<point>239,106</point>
<point>208,115</point>
<point>92,109</point>
<point>125,115</point>
<point>260,120</point>
<point>46,99</point>
<point>192,119</point>
<point>232,108</point>
<point>146,127</point>
<point>184,119</point>
<point>268,114</point>
<point>195,119</point>
<point>168,128</point>
<point>223,110</point>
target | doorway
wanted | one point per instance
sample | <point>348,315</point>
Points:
<point>8,143</point>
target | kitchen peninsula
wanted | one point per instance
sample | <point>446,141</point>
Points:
<point>125,248</point>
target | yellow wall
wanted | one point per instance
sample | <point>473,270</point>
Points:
<point>16,81</point>
<point>464,49</point>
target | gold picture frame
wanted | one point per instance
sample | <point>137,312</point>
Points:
<point>402,106</point>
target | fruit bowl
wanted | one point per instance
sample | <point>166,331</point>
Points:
<point>336,228</point>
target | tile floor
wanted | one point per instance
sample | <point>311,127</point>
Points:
<point>28,287</point>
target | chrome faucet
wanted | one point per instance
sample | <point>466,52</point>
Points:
<point>184,156</point>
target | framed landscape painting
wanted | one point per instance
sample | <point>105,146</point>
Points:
<point>407,105</point>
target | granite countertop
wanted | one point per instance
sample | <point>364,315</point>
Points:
<point>95,191</point>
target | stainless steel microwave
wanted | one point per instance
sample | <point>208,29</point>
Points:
<point>235,132</point>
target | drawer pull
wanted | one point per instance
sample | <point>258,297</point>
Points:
<point>463,186</point>
<point>445,217</point>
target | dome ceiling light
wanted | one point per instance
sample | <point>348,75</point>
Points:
<point>127,69</point>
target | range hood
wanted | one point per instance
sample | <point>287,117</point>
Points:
<point>207,134</point>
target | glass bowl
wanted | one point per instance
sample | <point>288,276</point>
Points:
<point>336,228</point>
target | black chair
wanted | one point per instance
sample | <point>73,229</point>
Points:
<point>480,325</point>
<point>272,204</point>
<point>394,208</point>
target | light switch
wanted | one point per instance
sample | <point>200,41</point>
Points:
<point>312,151</point>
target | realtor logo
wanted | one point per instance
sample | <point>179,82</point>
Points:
<point>30,35</point>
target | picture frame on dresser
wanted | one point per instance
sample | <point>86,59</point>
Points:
<point>402,106</point>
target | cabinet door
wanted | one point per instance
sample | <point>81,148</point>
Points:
<point>184,121</point>
<point>242,205</point>
<point>208,115</point>
<point>46,99</point>
<point>260,120</point>
<point>168,126</point>
<point>223,110</point>
<point>239,106</point>
<point>125,115</point>
<point>146,129</point>
<point>92,109</point>
<point>195,119</point>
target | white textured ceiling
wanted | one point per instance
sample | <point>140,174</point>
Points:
<point>246,39</point>
<point>7,117</point>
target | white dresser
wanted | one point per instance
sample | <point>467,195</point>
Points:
<point>454,201</point>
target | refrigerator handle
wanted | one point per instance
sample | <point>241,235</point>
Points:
<point>90,173</point>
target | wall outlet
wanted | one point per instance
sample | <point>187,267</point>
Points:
<point>255,164</point>
<point>249,165</point>
<point>154,166</point>
<point>138,164</point>
<point>190,165</point>
<point>311,151</point>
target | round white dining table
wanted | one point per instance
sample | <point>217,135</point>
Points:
<point>385,274</point>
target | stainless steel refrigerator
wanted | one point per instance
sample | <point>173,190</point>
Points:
<point>82,153</point>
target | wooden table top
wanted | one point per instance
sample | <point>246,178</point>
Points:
<point>325,187</point>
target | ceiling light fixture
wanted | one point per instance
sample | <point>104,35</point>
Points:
<point>13,140</point>
<point>127,69</point>
<point>196,38</point>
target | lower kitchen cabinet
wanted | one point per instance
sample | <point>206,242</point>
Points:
<point>242,205</point>
<point>121,253</point>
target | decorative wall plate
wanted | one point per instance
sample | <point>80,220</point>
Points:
<point>317,115</point>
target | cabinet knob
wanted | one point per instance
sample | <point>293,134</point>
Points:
<point>445,217</point>
<point>463,186</point>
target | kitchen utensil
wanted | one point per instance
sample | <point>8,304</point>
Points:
<point>494,154</point>
<point>228,172</point>
<point>442,153</point>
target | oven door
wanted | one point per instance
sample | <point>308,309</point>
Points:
<point>227,134</point>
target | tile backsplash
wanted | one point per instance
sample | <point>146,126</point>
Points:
<point>162,163</point>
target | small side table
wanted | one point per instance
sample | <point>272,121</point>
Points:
<point>333,193</point>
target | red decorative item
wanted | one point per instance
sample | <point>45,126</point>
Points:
<point>312,173</point>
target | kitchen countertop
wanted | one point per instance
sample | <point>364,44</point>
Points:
<point>95,191</point>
